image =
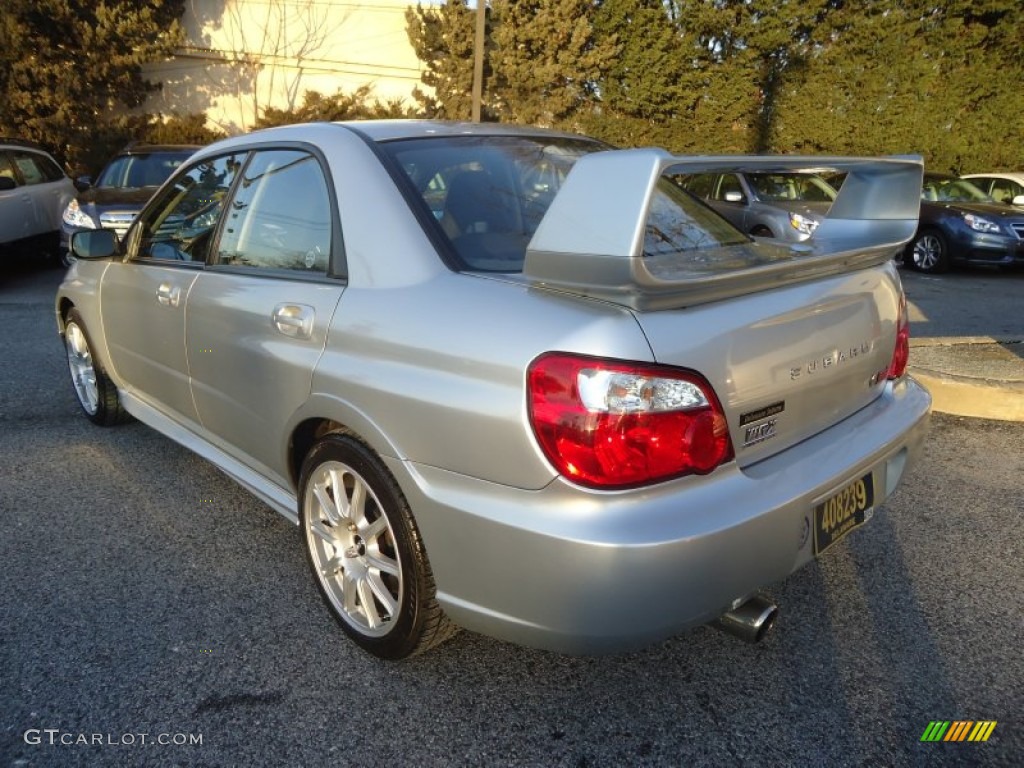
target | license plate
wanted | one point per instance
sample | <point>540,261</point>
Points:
<point>839,514</point>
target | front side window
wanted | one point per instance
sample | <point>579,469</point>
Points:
<point>700,184</point>
<point>952,190</point>
<point>280,216</point>
<point>730,189</point>
<point>180,224</point>
<point>782,187</point>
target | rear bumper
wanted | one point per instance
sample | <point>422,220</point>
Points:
<point>580,571</point>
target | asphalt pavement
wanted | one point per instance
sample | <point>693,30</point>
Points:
<point>153,613</point>
<point>980,372</point>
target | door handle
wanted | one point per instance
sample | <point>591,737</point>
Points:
<point>294,320</point>
<point>168,295</point>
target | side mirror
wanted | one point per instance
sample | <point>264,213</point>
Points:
<point>1018,200</point>
<point>94,244</point>
<point>734,197</point>
<point>7,183</point>
<point>82,183</point>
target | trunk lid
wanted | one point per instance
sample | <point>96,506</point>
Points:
<point>786,363</point>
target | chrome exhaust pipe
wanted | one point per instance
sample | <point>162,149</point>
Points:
<point>750,621</point>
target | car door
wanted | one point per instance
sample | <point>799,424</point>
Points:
<point>143,298</point>
<point>46,191</point>
<point>257,317</point>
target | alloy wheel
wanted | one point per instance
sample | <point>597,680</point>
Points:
<point>353,549</point>
<point>927,252</point>
<point>83,372</point>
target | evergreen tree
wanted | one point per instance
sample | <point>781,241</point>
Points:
<point>443,38</point>
<point>317,107</point>
<point>547,61</point>
<point>648,93</point>
<point>70,70</point>
<point>939,79</point>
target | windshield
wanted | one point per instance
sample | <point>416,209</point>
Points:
<point>779,187</point>
<point>487,196</point>
<point>141,170</point>
<point>949,190</point>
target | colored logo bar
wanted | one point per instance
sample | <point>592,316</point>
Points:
<point>958,730</point>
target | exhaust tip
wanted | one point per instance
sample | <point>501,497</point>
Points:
<point>750,621</point>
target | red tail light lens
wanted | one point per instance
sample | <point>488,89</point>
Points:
<point>901,352</point>
<point>607,424</point>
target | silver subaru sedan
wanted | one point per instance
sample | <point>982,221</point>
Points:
<point>508,379</point>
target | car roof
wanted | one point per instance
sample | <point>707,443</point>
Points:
<point>387,130</point>
<point>1002,175</point>
<point>140,148</point>
<point>12,141</point>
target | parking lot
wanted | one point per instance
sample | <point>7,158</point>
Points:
<point>153,613</point>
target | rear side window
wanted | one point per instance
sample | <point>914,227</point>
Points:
<point>280,215</point>
<point>33,168</point>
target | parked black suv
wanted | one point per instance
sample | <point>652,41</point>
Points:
<point>122,188</point>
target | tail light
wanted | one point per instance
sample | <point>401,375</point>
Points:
<point>610,424</point>
<point>901,352</point>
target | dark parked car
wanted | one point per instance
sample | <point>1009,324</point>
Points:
<point>784,205</point>
<point>122,188</point>
<point>961,224</point>
<point>33,192</point>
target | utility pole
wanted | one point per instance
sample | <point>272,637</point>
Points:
<point>478,59</point>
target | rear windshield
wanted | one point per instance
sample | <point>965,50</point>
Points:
<point>487,196</point>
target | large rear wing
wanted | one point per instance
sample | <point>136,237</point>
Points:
<point>591,238</point>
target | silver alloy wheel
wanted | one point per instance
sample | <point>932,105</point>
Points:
<point>83,373</point>
<point>927,252</point>
<point>353,549</point>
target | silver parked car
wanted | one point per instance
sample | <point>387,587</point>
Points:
<point>506,379</point>
<point>33,193</point>
<point>770,203</point>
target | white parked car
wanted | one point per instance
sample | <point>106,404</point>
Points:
<point>33,194</point>
<point>1002,187</point>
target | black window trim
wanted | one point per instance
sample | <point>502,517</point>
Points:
<point>337,269</point>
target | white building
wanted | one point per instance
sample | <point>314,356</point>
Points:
<point>245,55</point>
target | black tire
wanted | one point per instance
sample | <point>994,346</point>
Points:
<point>63,259</point>
<point>928,252</point>
<point>94,390</point>
<point>366,553</point>
<point>761,231</point>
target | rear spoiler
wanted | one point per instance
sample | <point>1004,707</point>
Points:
<point>590,241</point>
